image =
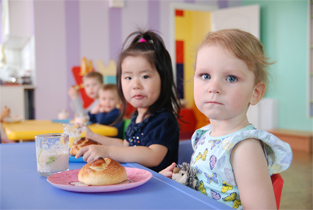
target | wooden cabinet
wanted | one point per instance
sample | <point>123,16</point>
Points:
<point>20,99</point>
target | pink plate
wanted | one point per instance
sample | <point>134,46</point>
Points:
<point>66,180</point>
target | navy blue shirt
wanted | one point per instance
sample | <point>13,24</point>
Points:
<point>104,118</point>
<point>159,128</point>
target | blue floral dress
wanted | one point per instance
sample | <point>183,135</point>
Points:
<point>211,158</point>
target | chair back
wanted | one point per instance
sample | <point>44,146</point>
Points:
<point>184,151</point>
<point>278,183</point>
<point>126,123</point>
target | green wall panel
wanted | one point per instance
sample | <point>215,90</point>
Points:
<point>284,34</point>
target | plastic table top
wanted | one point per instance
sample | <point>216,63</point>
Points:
<point>23,188</point>
<point>28,129</point>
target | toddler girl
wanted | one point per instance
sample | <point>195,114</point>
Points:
<point>234,160</point>
<point>144,80</point>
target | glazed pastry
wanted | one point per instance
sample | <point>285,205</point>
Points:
<point>103,171</point>
<point>80,143</point>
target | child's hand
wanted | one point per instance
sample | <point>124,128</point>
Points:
<point>5,113</point>
<point>89,133</point>
<point>96,109</point>
<point>168,172</point>
<point>73,93</point>
<point>93,152</point>
<point>101,109</point>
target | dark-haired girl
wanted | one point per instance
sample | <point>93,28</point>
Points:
<point>145,80</point>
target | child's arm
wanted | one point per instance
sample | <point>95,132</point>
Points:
<point>73,93</point>
<point>104,140</point>
<point>95,109</point>
<point>107,118</point>
<point>4,113</point>
<point>148,156</point>
<point>252,176</point>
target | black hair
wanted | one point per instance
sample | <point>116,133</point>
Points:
<point>152,48</point>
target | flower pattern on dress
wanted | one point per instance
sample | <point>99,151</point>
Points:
<point>211,159</point>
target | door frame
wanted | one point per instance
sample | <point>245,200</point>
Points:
<point>182,6</point>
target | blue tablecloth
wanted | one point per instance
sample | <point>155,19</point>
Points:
<point>23,188</point>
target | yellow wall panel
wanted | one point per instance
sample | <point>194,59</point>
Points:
<point>191,28</point>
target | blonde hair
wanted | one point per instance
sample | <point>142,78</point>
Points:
<point>112,88</point>
<point>243,45</point>
<point>94,75</point>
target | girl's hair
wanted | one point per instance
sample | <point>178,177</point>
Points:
<point>150,46</point>
<point>243,45</point>
<point>94,75</point>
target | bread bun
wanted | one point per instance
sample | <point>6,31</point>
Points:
<point>80,143</point>
<point>102,172</point>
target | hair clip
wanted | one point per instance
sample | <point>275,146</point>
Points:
<point>142,40</point>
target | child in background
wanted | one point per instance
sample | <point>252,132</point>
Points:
<point>92,82</point>
<point>4,113</point>
<point>106,112</point>
<point>145,80</point>
<point>234,160</point>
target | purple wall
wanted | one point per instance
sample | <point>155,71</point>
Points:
<point>66,31</point>
<point>72,41</point>
<point>1,22</point>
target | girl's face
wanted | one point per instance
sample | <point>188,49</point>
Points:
<point>223,85</point>
<point>92,87</point>
<point>141,83</point>
<point>108,100</point>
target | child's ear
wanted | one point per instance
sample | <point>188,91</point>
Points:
<point>258,92</point>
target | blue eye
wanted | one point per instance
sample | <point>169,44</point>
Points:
<point>205,76</point>
<point>232,79</point>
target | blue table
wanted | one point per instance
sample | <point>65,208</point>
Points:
<point>23,188</point>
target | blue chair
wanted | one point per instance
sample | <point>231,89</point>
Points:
<point>185,151</point>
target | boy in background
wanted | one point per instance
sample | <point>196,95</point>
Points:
<point>107,112</point>
<point>92,82</point>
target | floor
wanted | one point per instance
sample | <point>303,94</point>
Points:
<point>298,185</point>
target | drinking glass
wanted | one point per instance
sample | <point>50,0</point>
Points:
<point>52,153</point>
<point>75,131</point>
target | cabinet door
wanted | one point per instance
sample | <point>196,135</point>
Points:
<point>13,97</point>
<point>246,18</point>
